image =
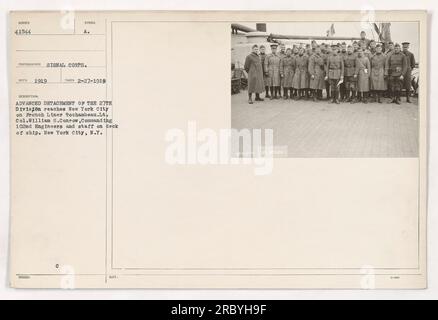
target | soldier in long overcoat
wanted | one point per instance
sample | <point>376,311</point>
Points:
<point>410,64</point>
<point>308,51</point>
<point>282,54</point>
<point>287,71</point>
<point>300,80</point>
<point>317,73</point>
<point>377,78</point>
<point>349,75</point>
<point>295,54</point>
<point>363,76</point>
<point>265,77</point>
<point>334,73</point>
<point>272,70</point>
<point>254,69</point>
<point>395,69</point>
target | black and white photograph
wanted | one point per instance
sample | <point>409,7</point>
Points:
<point>328,89</point>
<point>136,169</point>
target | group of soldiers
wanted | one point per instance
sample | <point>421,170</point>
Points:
<point>353,73</point>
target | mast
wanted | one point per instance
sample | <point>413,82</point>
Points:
<point>297,37</point>
<point>384,31</point>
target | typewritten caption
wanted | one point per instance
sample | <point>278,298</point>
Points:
<point>36,117</point>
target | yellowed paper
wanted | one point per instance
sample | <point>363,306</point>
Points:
<point>115,186</point>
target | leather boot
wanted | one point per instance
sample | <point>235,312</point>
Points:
<point>353,97</point>
<point>275,93</point>
<point>257,98</point>
<point>250,98</point>
<point>397,98</point>
<point>267,96</point>
<point>285,94</point>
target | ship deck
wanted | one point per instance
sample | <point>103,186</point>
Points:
<point>322,129</point>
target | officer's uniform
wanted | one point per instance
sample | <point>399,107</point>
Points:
<point>377,82</point>
<point>253,68</point>
<point>396,67</point>
<point>349,71</point>
<point>316,72</point>
<point>265,77</point>
<point>281,55</point>
<point>287,71</point>
<point>327,82</point>
<point>334,71</point>
<point>363,74</point>
<point>387,54</point>
<point>308,54</point>
<point>342,88</point>
<point>300,80</point>
<point>272,70</point>
<point>377,76</point>
<point>272,67</point>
